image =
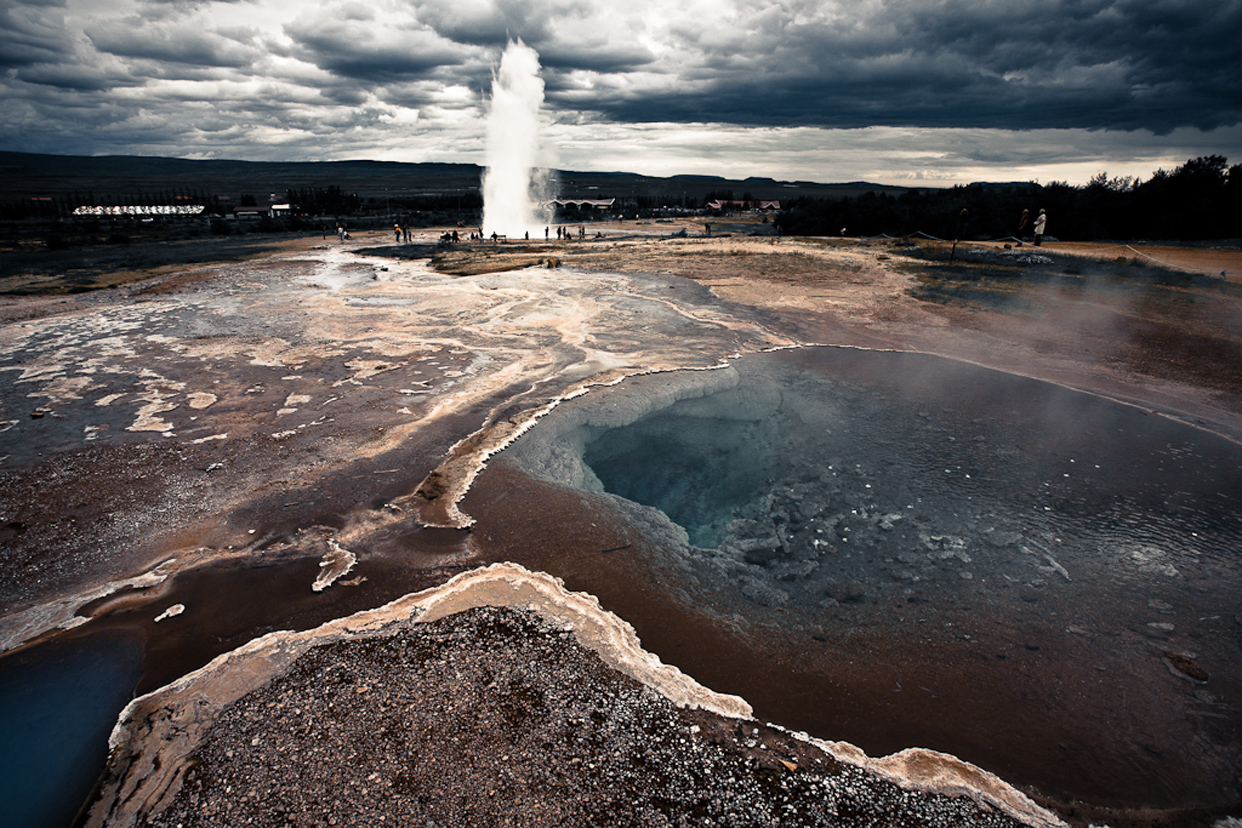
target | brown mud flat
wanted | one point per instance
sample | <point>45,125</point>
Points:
<point>278,484</point>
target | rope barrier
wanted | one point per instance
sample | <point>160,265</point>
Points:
<point>1137,252</point>
<point>1170,264</point>
<point>1102,249</point>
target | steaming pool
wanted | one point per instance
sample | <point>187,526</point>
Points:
<point>908,550</point>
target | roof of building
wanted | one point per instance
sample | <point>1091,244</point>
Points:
<point>579,202</point>
<point>761,204</point>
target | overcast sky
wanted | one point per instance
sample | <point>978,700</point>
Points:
<point>892,91</point>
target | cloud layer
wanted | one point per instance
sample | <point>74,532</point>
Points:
<point>408,79</point>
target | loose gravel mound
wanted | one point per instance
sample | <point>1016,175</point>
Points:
<point>498,717</point>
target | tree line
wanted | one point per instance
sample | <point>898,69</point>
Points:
<point>1199,200</point>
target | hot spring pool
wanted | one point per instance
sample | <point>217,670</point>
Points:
<point>936,519</point>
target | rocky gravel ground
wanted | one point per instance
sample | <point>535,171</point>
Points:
<point>497,717</point>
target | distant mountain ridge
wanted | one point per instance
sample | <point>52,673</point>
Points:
<point>35,175</point>
<point>121,165</point>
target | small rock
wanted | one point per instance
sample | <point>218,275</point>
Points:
<point>850,593</point>
<point>171,612</point>
<point>1001,539</point>
<point>886,521</point>
<point>762,594</point>
<point>1184,666</point>
<point>1029,593</point>
<point>1157,629</point>
<point>764,544</point>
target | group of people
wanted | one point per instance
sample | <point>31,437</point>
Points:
<point>1041,225</point>
<point>405,234</point>
<point>566,233</point>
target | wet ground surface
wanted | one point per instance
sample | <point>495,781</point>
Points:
<point>247,422</point>
<point>76,265</point>
<point>253,391</point>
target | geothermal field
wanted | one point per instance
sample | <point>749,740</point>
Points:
<point>670,523</point>
<point>653,527</point>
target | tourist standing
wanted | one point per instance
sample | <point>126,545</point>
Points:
<point>1041,223</point>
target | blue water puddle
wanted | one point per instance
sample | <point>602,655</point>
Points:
<point>58,704</point>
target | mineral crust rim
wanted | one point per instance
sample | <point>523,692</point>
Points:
<point>177,716</point>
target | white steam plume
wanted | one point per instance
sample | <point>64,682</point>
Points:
<point>509,202</point>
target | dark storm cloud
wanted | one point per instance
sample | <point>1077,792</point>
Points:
<point>489,23</point>
<point>1061,63</point>
<point>183,43</point>
<point>410,78</point>
<point>72,77</point>
<point>355,49</point>
<point>595,57</point>
<point>32,33</point>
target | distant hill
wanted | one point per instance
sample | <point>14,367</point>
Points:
<point>32,175</point>
<point>697,187</point>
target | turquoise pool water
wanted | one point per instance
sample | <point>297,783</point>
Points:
<point>58,704</point>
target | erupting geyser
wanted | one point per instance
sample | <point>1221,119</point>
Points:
<point>513,145</point>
